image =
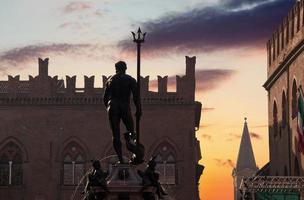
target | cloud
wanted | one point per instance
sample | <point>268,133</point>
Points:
<point>76,6</point>
<point>98,13</point>
<point>240,3</point>
<point>224,163</point>
<point>210,79</point>
<point>233,136</point>
<point>18,57</point>
<point>260,126</point>
<point>204,125</point>
<point>206,136</point>
<point>74,25</point>
<point>208,109</point>
<point>210,29</point>
<point>24,54</point>
<point>206,79</point>
<point>255,136</point>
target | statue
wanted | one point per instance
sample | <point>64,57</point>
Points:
<point>96,187</point>
<point>118,90</point>
<point>150,178</point>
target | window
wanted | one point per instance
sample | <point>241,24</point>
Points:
<point>11,172</point>
<point>275,119</point>
<point>73,164</point>
<point>166,164</point>
<point>294,99</point>
<point>284,110</point>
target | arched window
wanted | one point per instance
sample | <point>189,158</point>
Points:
<point>275,119</point>
<point>284,110</point>
<point>166,164</point>
<point>294,99</point>
<point>73,164</point>
<point>11,165</point>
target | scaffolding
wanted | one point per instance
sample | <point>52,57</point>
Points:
<point>271,184</point>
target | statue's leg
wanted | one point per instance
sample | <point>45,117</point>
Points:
<point>127,119</point>
<point>114,119</point>
<point>128,122</point>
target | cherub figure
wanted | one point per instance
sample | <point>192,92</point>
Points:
<point>150,178</point>
<point>96,187</point>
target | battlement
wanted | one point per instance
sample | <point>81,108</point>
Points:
<point>286,37</point>
<point>44,89</point>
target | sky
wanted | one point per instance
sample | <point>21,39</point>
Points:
<point>228,37</point>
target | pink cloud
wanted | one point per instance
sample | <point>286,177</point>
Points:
<point>77,6</point>
<point>206,79</point>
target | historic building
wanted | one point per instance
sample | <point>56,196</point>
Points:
<point>245,165</point>
<point>285,75</point>
<point>50,130</point>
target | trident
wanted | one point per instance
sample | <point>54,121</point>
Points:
<point>138,39</point>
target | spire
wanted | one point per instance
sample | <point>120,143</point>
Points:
<point>246,156</point>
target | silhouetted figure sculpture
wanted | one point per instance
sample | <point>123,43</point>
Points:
<point>150,178</point>
<point>96,187</point>
<point>118,90</point>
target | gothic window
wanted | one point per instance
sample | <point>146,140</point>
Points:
<point>275,119</point>
<point>166,164</point>
<point>73,164</point>
<point>11,165</point>
<point>284,110</point>
<point>294,99</point>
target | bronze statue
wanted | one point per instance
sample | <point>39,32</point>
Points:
<point>118,90</point>
<point>150,178</point>
<point>96,187</point>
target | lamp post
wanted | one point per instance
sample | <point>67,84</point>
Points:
<point>138,38</point>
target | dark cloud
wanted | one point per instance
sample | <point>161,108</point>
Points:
<point>76,6</point>
<point>255,136</point>
<point>210,79</point>
<point>224,163</point>
<point>24,54</point>
<point>17,57</point>
<point>213,28</point>
<point>206,79</point>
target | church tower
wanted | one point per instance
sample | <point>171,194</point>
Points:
<point>245,166</point>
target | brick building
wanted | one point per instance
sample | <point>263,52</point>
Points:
<point>285,76</point>
<point>50,130</point>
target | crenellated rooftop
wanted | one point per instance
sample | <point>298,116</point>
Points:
<point>44,89</point>
<point>286,38</point>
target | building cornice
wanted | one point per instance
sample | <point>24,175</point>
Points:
<point>284,65</point>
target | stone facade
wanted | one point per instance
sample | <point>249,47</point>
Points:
<point>285,75</point>
<point>51,130</point>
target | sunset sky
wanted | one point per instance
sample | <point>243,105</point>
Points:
<point>87,37</point>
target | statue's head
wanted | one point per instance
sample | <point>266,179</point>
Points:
<point>120,66</point>
<point>96,164</point>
